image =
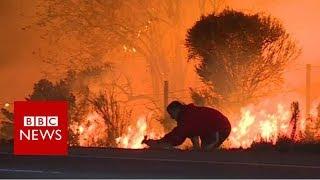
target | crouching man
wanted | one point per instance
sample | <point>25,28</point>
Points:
<point>194,122</point>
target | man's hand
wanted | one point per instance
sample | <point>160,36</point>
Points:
<point>145,139</point>
<point>149,142</point>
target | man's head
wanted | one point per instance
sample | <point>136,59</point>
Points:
<point>174,108</point>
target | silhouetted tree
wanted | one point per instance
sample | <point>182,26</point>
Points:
<point>46,90</point>
<point>86,33</point>
<point>241,56</point>
<point>61,90</point>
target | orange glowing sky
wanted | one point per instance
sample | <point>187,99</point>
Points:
<point>19,67</point>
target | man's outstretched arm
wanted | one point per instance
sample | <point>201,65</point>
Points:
<point>173,138</point>
<point>158,144</point>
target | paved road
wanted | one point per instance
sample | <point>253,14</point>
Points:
<point>119,163</point>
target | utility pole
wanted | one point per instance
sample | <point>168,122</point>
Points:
<point>308,94</point>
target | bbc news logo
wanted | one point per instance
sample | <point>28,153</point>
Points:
<point>36,134</point>
<point>40,128</point>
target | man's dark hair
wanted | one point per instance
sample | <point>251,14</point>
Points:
<point>174,104</point>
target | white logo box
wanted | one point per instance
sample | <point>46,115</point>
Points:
<point>40,121</point>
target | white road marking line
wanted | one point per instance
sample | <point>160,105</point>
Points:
<point>191,161</point>
<point>199,161</point>
<point>29,171</point>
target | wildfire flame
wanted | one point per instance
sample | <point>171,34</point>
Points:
<point>259,125</point>
<point>91,130</point>
<point>256,123</point>
<point>135,134</point>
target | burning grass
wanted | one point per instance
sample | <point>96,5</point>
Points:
<point>267,125</point>
<point>263,126</point>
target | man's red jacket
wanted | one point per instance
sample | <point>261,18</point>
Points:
<point>197,121</point>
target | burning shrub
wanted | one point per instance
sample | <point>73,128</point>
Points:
<point>91,130</point>
<point>116,117</point>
